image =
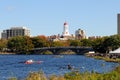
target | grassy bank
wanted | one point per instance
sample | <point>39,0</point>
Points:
<point>107,59</point>
<point>74,75</point>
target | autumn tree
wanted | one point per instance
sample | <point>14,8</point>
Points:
<point>40,41</point>
<point>20,44</point>
<point>3,45</point>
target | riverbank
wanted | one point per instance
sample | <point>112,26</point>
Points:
<point>74,75</point>
<point>7,53</point>
<point>105,58</point>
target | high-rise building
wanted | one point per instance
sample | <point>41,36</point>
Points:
<point>65,30</point>
<point>118,24</point>
<point>15,31</point>
<point>0,34</point>
<point>80,34</point>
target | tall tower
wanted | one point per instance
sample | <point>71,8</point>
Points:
<point>65,29</point>
<point>0,34</point>
<point>118,24</point>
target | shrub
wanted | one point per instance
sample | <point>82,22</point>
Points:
<point>12,78</point>
<point>36,76</point>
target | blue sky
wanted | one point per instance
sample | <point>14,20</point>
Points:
<point>46,17</point>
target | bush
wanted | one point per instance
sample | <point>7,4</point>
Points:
<point>36,76</point>
<point>74,75</point>
<point>12,78</point>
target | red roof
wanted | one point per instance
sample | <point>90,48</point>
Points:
<point>65,23</point>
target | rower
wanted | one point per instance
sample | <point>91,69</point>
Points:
<point>69,66</point>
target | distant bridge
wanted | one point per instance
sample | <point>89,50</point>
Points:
<point>57,50</point>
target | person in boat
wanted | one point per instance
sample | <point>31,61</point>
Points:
<point>69,67</point>
<point>29,61</point>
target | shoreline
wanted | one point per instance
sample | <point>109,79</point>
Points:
<point>105,58</point>
<point>7,53</point>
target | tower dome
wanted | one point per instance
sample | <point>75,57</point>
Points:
<point>65,23</point>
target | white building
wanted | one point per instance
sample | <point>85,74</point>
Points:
<point>15,31</point>
<point>65,30</point>
<point>80,34</point>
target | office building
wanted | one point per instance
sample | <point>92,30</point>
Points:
<point>15,31</point>
<point>0,34</point>
<point>118,24</point>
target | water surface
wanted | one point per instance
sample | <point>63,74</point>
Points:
<point>12,65</point>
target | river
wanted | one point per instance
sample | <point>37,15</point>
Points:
<point>14,66</point>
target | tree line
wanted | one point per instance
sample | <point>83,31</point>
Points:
<point>26,43</point>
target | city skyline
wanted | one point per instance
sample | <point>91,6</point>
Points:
<point>97,18</point>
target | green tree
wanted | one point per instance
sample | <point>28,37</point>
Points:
<point>27,44</point>
<point>98,45</point>
<point>111,43</point>
<point>57,44</point>
<point>105,44</point>
<point>75,43</point>
<point>40,42</point>
<point>3,45</point>
<point>86,42</point>
<point>20,44</point>
<point>15,43</point>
